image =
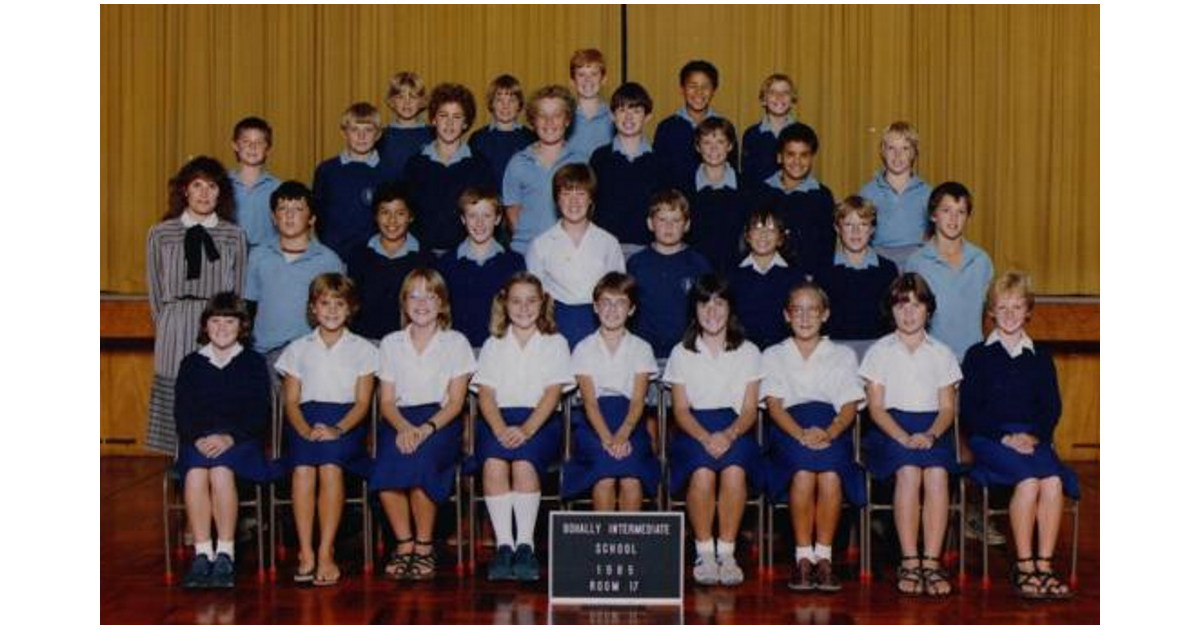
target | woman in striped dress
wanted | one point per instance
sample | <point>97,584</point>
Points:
<point>195,252</point>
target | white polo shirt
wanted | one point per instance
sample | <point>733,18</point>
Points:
<point>829,375</point>
<point>613,373</point>
<point>519,375</point>
<point>328,374</point>
<point>911,380</point>
<point>424,378</point>
<point>569,272</point>
<point>714,381</point>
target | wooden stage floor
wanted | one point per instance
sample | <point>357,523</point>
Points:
<point>132,588</point>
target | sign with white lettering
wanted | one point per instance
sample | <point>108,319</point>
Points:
<point>633,558</point>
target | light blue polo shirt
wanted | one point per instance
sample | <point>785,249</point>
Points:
<point>281,290</point>
<point>528,184</point>
<point>960,293</point>
<point>904,216</point>
<point>589,134</point>
<point>254,208</point>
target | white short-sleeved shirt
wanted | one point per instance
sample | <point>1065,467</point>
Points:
<point>911,380</point>
<point>569,272</point>
<point>328,374</point>
<point>714,381</point>
<point>829,375</point>
<point>422,379</point>
<point>521,375</point>
<point>613,373</point>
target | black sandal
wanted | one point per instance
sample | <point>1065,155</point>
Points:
<point>910,575</point>
<point>935,575</point>
<point>423,566</point>
<point>399,563</point>
<point>1051,583</point>
<point>1023,580</point>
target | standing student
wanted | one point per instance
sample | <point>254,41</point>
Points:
<point>612,455</point>
<point>593,126</point>
<point>444,168</point>
<point>222,408</point>
<point>195,252</point>
<point>479,267</point>
<point>504,135</point>
<point>899,193</point>
<point>762,282</point>
<point>777,95</point>
<point>812,392</point>
<point>1010,406</point>
<point>344,185</point>
<point>528,194</point>
<point>424,369</point>
<point>572,256</point>
<point>714,193</point>
<point>252,183</point>
<point>715,374</point>
<point>407,133</point>
<point>328,378</point>
<point>675,136</point>
<point>911,379</point>
<point>522,370</point>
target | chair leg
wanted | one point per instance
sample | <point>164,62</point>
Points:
<point>271,508</point>
<point>983,509</point>
<point>258,524</point>
<point>1074,579</point>
<point>168,575</point>
<point>368,530</point>
<point>962,530</point>
<point>771,538</point>
<point>458,567</point>
<point>471,534</point>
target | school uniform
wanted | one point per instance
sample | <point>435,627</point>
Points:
<point>716,389</point>
<point>497,146</point>
<point>911,381</point>
<point>278,283</point>
<point>813,391</point>
<point>856,297</point>
<point>528,183</point>
<point>663,283</point>
<point>253,203</point>
<point>1012,391</point>
<point>343,192</point>
<point>675,141</point>
<point>434,188</point>
<point>570,272</point>
<point>421,381</point>
<point>519,377</point>
<point>807,213</point>
<point>961,293</point>
<point>760,149</point>
<point>589,134</point>
<point>613,375</point>
<point>328,378</point>
<point>379,276</point>
<point>230,397</point>
<point>398,144</point>
<point>472,282</point>
<point>902,217</point>
<point>761,295</point>
<point>718,218</point>
<point>625,184</point>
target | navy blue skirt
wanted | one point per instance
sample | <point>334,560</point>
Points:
<point>543,450</point>
<point>688,455</point>
<point>997,464</point>
<point>590,463</point>
<point>430,468</point>
<point>574,322</point>
<point>884,456</point>
<point>786,456</point>
<point>348,452</point>
<point>245,459</point>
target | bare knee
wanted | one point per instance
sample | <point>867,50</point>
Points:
<point>733,479</point>
<point>525,477</point>
<point>829,485</point>
<point>703,480</point>
<point>630,485</point>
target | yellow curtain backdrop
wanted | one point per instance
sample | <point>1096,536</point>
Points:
<point>1006,98</point>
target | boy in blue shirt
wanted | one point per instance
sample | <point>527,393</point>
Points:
<point>805,204</point>
<point>627,170</point>
<point>900,195</point>
<point>674,139</point>
<point>252,184</point>
<point>505,135</point>
<point>760,141</point>
<point>665,272</point>
<point>344,185</point>
<point>718,204</point>
<point>404,136</point>
<point>593,126</point>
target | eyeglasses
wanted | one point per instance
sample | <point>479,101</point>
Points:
<point>609,304</point>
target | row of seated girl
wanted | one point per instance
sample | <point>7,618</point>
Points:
<point>811,386</point>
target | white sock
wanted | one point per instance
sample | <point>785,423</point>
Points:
<point>500,508</point>
<point>704,548</point>
<point>526,505</point>
<point>205,549</point>
<point>226,547</point>
<point>725,549</point>
<point>805,552</point>
<point>823,552</point>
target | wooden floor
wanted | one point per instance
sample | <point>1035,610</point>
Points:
<point>132,588</point>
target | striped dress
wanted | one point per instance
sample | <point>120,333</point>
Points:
<point>176,304</point>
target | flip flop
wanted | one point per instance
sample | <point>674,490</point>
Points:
<point>305,577</point>
<point>327,581</point>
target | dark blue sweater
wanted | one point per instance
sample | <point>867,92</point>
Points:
<point>398,145</point>
<point>472,287</point>
<point>498,147</point>
<point>718,225</point>
<point>759,300</point>
<point>663,282</point>
<point>999,393</point>
<point>624,190</point>
<point>235,399</point>
<point>856,299</point>
<point>342,195</point>
<point>378,279</point>
<point>809,220</point>
<point>675,143</point>
<point>759,151</point>
<point>434,189</point>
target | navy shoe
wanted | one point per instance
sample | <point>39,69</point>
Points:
<point>222,572</point>
<point>525,565</point>
<point>501,567</point>
<point>198,575</point>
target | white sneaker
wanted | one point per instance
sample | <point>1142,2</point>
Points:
<point>706,571</point>
<point>729,572</point>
